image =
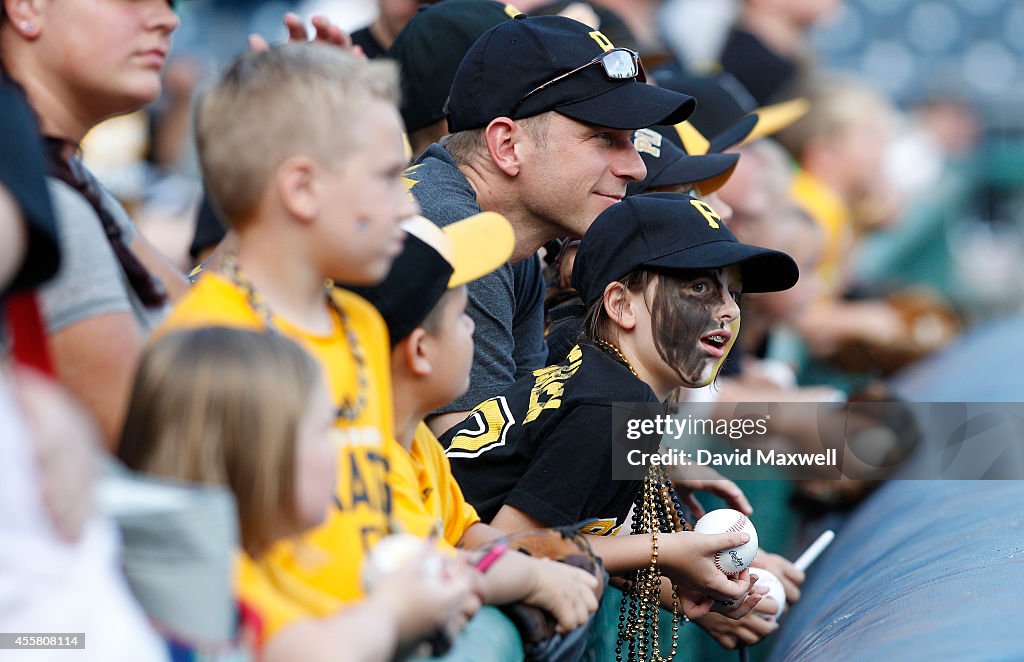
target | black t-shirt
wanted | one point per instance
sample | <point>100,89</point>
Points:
<point>544,446</point>
<point>565,324</point>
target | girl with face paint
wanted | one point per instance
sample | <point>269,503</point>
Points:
<point>678,326</point>
<point>695,319</point>
<point>661,278</point>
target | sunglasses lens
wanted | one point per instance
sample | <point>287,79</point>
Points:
<point>620,64</point>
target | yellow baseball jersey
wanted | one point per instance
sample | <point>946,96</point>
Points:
<point>277,598</point>
<point>427,498</point>
<point>327,559</point>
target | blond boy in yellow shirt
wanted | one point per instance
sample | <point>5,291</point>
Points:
<point>302,154</point>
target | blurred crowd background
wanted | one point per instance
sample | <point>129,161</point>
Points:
<point>947,216</point>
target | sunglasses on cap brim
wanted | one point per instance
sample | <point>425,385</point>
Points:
<point>618,64</point>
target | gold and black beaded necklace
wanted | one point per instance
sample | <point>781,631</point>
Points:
<point>617,354</point>
<point>656,509</point>
<point>347,410</point>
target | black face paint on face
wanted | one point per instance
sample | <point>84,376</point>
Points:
<point>686,307</point>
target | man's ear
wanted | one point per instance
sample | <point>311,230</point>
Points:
<point>415,353</point>
<point>618,305</point>
<point>298,187</point>
<point>502,136</point>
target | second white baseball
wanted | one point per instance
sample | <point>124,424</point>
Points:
<point>776,591</point>
<point>390,554</point>
<point>731,561</point>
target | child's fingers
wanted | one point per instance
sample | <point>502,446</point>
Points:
<point>587,579</point>
<point>792,579</point>
<point>754,630</point>
<point>727,491</point>
<point>792,573</point>
<point>695,605</point>
<point>727,641</point>
<point>716,542</point>
<point>731,493</point>
<point>767,606</point>
<point>727,589</point>
<point>327,32</point>
<point>576,616</point>
<point>761,627</point>
<point>792,590</point>
<point>760,590</point>
<point>745,607</point>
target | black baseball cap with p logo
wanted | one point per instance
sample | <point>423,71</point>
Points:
<point>532,65</point>
<point>671,232</point>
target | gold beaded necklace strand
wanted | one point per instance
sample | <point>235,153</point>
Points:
<point>617,353</point>
<point>657,510</point>
<point>346,410</point>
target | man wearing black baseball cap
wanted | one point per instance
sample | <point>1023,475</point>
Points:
<point>541,113</point>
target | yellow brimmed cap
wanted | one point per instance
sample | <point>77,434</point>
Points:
<point>435,260</point>
<point>776,117</point>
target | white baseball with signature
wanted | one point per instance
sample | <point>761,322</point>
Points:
<point>731,561</point>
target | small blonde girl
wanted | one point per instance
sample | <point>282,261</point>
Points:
<point>249,410</point>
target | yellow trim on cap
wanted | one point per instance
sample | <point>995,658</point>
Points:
<point>474,246</point>
<point>482,242</point>
<point>430,234</point>
<point>694,141</point>
<point>711,185</point>
<point>776,117</point>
